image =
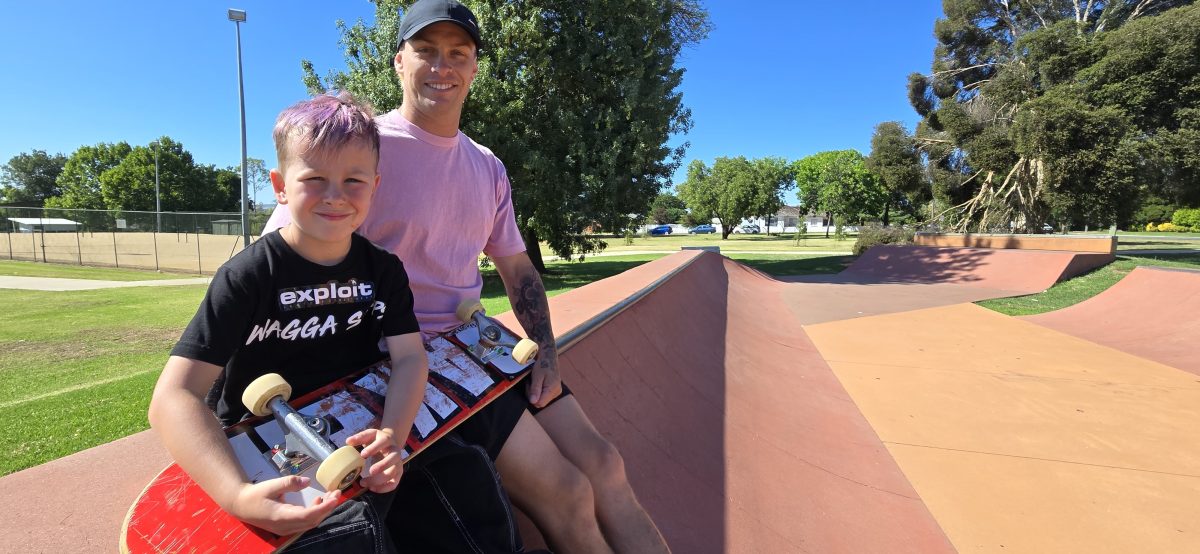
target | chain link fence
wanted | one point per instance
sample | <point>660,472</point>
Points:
<point>196,243</point>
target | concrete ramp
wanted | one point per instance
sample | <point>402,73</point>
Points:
<point>889,279</point>
<point>1027,271</point>
<point>736,434</point>
<point>1153,313</point>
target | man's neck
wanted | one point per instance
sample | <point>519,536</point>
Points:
<point>440,126</point>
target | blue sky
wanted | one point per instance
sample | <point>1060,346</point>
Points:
<point>789,78</point>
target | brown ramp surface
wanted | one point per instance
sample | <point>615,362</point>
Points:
<point>889,279</point>
<point>1153,313</point>
<point>736,434</point>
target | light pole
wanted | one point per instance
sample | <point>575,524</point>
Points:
<point>157,198</point>
<point>237,17</point>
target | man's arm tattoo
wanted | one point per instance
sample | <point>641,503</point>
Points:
<point>532,309</point>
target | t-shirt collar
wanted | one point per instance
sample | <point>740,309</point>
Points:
<point>397,120</point>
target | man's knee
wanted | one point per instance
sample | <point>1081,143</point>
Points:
<point>604,465</point>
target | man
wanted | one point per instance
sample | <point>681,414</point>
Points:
<point>442,201</point>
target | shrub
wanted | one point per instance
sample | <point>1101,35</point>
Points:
<point>1152,226</point>
<point>1187,219</point>
<point>628,237</point>
<point>870,235</point>
<point>1168,228</point>
<point>801,234</point>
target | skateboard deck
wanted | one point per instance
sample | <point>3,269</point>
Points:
<point>173,514</point>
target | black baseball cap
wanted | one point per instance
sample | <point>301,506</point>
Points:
<point>427,12</point>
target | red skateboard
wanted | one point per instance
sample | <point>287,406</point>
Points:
<point>468,368</point>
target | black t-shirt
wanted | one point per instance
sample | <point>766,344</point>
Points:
<point>269,310</point>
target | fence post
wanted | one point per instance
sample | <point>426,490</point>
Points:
<point>199,264</point>
<point>116,259</point>
<point>33,243</point>
<point>78,248</point>
<point>154,236</point>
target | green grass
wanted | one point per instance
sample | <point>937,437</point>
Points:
<point>39,269</point>
<point>1073,291</point>
<point>78,366</point>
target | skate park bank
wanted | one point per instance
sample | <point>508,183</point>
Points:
<point>876,410</point>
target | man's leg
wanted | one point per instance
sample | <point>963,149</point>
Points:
<point>626,525</point>
<point>549,488</point>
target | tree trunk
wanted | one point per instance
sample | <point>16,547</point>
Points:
<point>886,207</point>
<point>828,222</point>
<point>534,250</point>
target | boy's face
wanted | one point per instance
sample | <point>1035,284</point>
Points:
<point>437,67</point>
<point>328,194</point>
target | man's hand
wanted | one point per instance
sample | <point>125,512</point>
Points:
<point>262,505</point>
<point>382,474</point>
<point>544,382</point>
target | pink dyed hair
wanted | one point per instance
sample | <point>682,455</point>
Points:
<point>324,123</point>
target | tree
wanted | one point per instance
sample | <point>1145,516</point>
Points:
<point>79,181</point>
<point>29,179</point>
<point>999,149</point>
<point>838,183</point>
<point>258,178</point>
<point>895,161</point>
<point>667,208</point>
<point>122,177</point>
<point>772,176</point>
<point>734,188</point>
<point>577,98</point>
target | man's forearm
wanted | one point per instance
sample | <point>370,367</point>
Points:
<point>530,305</point>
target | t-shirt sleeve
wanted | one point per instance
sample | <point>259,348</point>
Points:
<point>398,317</point>
<point>505,239</point>
<point>215,332</point>
<point>280,218</point>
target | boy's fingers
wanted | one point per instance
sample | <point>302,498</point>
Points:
<point>278,487</point>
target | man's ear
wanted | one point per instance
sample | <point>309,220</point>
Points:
<point>277,186</point>
<point>398,61</point>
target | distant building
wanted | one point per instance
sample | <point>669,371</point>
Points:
<point>43,225</point>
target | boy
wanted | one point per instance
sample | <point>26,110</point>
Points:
<point>265,312</point>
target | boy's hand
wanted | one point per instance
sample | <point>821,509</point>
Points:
<point>262,505</point>
<point>383,474</point>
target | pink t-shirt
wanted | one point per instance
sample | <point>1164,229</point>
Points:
<point>441,201</point>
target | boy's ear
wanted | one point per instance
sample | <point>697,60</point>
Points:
<point>277,186</point>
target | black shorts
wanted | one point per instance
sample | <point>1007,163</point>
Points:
<point>491,427</point>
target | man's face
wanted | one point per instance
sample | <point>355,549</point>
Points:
<point>437,67</point>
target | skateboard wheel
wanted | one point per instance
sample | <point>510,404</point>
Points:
<point>467,308</point>
<point>260,392</point>
<point>524,351</point>
<point>340,469</point>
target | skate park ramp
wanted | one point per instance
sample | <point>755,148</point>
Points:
<point>1020,438</point>
<point>1151,312</point>
<point>890,278</point>
<point>735,434</point>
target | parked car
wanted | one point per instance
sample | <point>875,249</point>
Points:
<point>749,228</point>
<point>700,229</point>
<point>660,230</point>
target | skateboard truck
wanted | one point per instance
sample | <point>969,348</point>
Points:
<point>489,345</point>
<point>268,395</point>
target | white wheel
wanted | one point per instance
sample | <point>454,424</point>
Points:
<point>262,390</point>
<point>340,469</point>
<point>467,308</point>
<point>524,351</point>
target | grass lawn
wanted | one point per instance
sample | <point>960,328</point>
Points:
<point>1085,286</point>
<point>79,366</point>
<point>40,269</point>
